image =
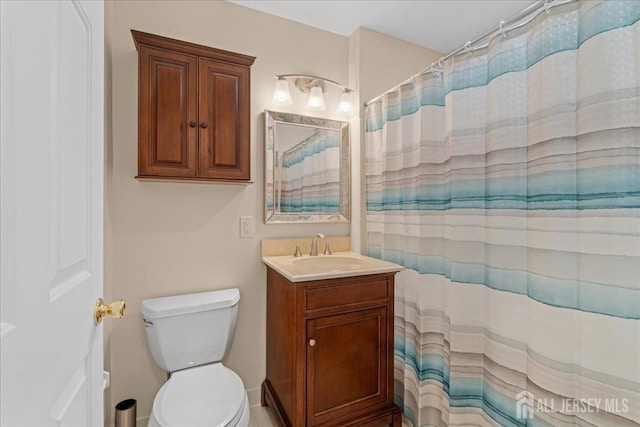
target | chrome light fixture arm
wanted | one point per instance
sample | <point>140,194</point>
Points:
<point>313,79</point>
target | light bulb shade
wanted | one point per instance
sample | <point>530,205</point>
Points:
<point>282,96</point>
<point>316,100</point>
<point>346,102</point>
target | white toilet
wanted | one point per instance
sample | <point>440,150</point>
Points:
<point>188,335</point>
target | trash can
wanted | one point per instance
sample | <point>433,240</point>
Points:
<point>126,413</point>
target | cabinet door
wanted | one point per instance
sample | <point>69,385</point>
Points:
<point>346,364</point>
<point>167,105</point>
<point>224,114</point>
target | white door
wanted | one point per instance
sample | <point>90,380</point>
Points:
<point>51,163</point>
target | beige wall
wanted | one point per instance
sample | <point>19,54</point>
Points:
<point>171,238</point>
<point>377,62</point>
<point>385,61</point>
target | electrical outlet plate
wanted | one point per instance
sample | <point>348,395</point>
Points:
<point>247,226</point>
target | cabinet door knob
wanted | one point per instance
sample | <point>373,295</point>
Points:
<point>193,123</point>
<point>203,125</point>
<point>312,342</point>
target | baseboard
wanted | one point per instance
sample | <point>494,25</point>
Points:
<point>253,395</point>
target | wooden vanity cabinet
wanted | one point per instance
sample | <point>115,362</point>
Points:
<point>193,111</point>
<point>330,351</point>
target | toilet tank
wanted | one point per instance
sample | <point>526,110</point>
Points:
<point>192,329</point>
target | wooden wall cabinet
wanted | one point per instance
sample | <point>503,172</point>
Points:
<point>193,111</point>
<point>330,351</point>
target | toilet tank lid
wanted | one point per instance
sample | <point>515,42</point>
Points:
<point>189,303</point>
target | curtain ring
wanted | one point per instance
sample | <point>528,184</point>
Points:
<point>436,72</point>
<point>546,6</point>
<point>467,47</point>
<point>504,34</point>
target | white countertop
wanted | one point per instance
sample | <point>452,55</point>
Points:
<point>340,264</point>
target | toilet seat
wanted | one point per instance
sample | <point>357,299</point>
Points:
<point>205,396</point>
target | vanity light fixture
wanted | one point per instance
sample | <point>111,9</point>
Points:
<point>313,85</point>
<point>282,96</point>
<point>346,102</point>
<point>316,100</point>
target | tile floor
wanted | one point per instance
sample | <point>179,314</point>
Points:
<point>261,416</point>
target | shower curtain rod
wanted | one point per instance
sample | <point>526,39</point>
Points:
<point>538,7</point>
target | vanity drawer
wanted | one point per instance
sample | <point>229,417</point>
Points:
<point>345,294</point>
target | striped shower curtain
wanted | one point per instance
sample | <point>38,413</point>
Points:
<point>310,174</point>
<point>509,187</point>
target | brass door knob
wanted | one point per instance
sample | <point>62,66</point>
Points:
<point>115,310</point>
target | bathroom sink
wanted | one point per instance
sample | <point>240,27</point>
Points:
<point>331,262</point>
<point>341,264</point>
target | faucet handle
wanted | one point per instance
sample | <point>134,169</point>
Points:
<point>298,253</point>
<point>327,250</point>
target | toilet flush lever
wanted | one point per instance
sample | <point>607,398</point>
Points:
<point>115,310</point>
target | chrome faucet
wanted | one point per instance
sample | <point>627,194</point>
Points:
<point>314,244</point>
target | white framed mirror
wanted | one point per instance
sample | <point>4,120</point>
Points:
<point>307,173</point>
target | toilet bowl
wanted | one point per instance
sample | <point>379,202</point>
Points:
<point>207,396</point>
<point>188,335</point>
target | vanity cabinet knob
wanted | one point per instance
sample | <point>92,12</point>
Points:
<point>203,125</point>
<point>193,123</point>
<point>312,342</point>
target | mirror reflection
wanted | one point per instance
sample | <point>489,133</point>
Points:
<point>307,173</point>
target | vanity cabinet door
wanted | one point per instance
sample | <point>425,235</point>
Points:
<point>167,105</point>
<point>346,365</point>
<point>224,111</point>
